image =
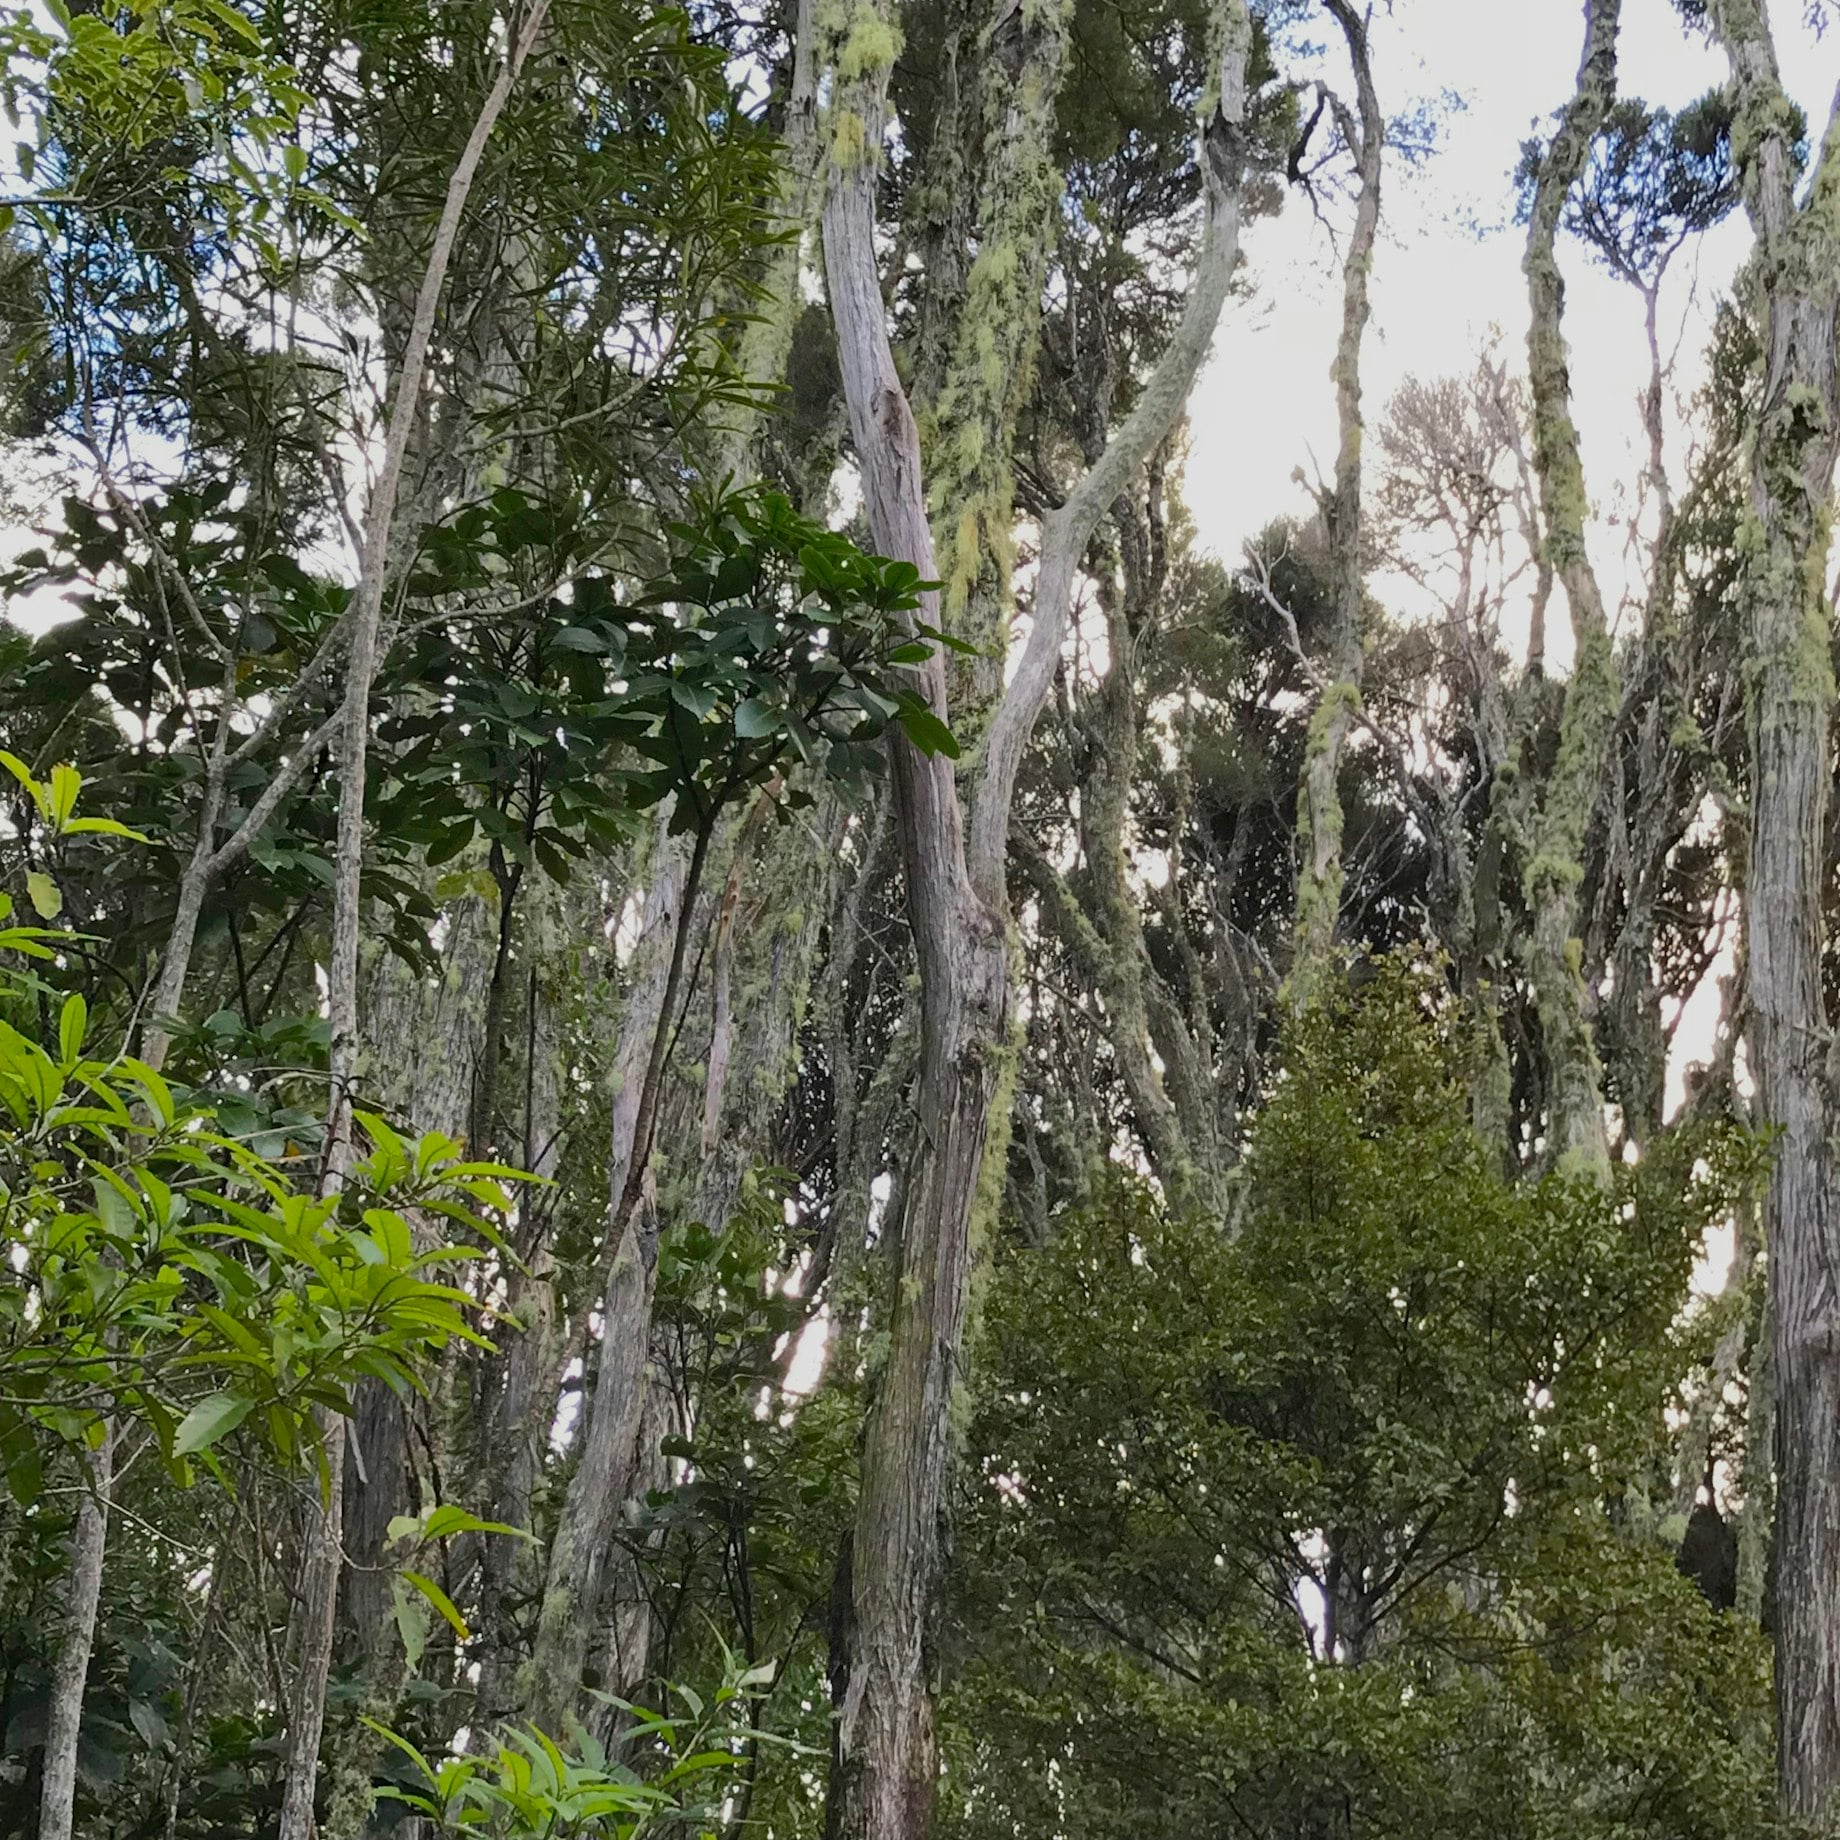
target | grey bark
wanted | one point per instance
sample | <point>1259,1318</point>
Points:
<point>886,1756</point>
<point>602,1478</point>
<point>319,1591</point>
<point>366,619</point>
<point>1794,287</point>
<point>1576,1135</point>
<point>1319,804</point>
<point>70,1671</point>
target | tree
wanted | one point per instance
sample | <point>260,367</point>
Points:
<point>1261,1532</point>
<point>1793,442</point>
<point>955,873</point>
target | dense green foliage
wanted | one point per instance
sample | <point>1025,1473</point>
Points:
<point>1338,1525</point>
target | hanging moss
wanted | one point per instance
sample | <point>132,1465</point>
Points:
<point>868,41</point>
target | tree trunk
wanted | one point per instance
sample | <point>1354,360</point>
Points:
<point>603,1472</point>
<point>313,1664</point>
<point>1319,801</point>
<point>70,1672</point>
<point>342,1005</point>
<point>1788,629</point>
<point>882,1785</point>
<point>1575,1133</point>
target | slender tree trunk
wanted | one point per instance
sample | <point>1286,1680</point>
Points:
<point>551,1682</point>
<point>1795,284</point>
<point>882,1785</point>
<point>70,1672</point>
<point>1576,1135</point>
<point>322,1575</point>
<point>319,1592</point>
<point>1319,801</point>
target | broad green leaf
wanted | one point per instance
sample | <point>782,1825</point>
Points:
<point>755,719</point>
<point>45,895</point>
<point>925,730</point>
<point>210,1420</point>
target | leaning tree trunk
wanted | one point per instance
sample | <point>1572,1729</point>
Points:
<point>1795,283</point>
<point>886,1757</point>
<point>320,1592</point>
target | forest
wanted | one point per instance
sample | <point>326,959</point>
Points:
<point>758,1080</point>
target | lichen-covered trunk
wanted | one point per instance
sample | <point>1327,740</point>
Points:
<point>886,1755</point>
<point>1319,801</point>
<point>1788,628</point>
<point>1554,872</point>
<point>971,488</point>
<point>1101,923</point>
<point>887,1749</point>
<point>550,1683</point>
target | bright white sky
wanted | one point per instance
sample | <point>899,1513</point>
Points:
<point>1448,266</point>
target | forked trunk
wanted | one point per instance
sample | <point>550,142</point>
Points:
<point>886,1751</point>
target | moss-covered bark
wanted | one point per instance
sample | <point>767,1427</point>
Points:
<point>1319,804</point>
<point>1793,290</point>
<point>1554,869</point>
<point>886,1758</point>
<point>970,461</point>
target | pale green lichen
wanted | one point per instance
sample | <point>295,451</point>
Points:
<point>1319,834</point>
<point>870,48</point>
<point>987,378</point>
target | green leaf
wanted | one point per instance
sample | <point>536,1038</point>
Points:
<point>159,1094</point>
<point>21,772</point>
<point>441,1601</point>
<point>577,639</point>
<point>104,827</point>
<point>72,1023</point>
<point>44,894</point>
<point>412,1626</point>
<point>209,1420</point>
<point>447,1520</point>
<point>755,719</point>
<point>925,730</point>
<point>66,783</point>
